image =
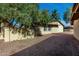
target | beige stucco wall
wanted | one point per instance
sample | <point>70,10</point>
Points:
<point>9,36</point>
<point>1,36</point>
<point>53,29</point>
<point>60,28</point>
<point>76,29</point>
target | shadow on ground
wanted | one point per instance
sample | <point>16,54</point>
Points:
<point>59,45</point>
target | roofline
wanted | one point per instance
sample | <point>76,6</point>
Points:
<point>74,7</point>
<point>59,22</point>
<point>74,11</point>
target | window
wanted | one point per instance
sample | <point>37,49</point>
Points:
<point>47,28</point>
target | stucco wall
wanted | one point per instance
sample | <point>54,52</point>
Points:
<point>76,29</point>
<point>53,30</point>
<point>1,36</point>
<point>9,36</point>
<point>60,28</point>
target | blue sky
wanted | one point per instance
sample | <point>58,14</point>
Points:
<point>61,7</point>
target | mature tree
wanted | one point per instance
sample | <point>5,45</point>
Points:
<point>45,18</point>
<point>25,13</point>
<point>39,18</point>
<point>19,12</point>
<point>67,15</point>
<point>28,15</point>
<point>7,12</point>
<point>55,15</point>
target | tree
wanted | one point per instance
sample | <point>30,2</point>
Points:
<point>25,13</point>
<point>45,18</point>
<point>28,15</point>
<point>39,18</point>
<point>55,15</point>
<point>20,12</point>
<point>67,15</point>
<point>17,11</point>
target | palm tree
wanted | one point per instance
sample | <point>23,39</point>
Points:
<point>67,15</point>
<point>55,15</point>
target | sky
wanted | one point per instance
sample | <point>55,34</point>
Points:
<point>61,7</point>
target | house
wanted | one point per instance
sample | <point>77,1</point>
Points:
<point>53,27</point>
<point>75,20</point>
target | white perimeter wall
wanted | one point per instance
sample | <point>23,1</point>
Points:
<point>9,36</point>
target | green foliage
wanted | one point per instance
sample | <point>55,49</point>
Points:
<point>55,15</point>
<point>45,18</point>
<point>40,18</point>
<point>28,15</point>
<point>67,15</point>
<point>21,12</point>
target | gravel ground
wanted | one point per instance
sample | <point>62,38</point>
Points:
<point>9,48</point>
<point>60,44</point>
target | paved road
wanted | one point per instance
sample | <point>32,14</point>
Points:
<point>61,44</point>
